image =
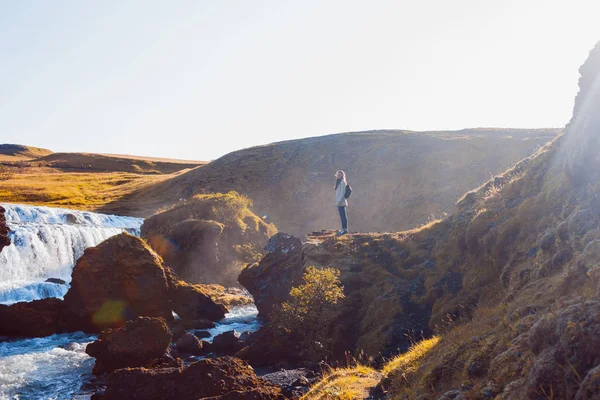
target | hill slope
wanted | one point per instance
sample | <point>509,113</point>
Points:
<point>510,283</point>
<point>17,152</point>
<point>400,178</point>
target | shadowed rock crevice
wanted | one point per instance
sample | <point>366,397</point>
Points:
<point>4,239</point>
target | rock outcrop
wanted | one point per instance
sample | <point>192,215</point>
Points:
<point>4,239</point>
<point>380,306</point>
<point>270,280</point>
<point>142,342</point>
<point>218,378</point>
<point>116,281</point>
<point>33,319</point>
<point>207,238</point>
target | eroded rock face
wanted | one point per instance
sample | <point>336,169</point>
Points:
<point>4,239</point>
<point>567,347</point>
<point>208,237</point>
<point>33,319</point>
<point>140,343</point>
<point>116,281</point>
<point>219,378</point>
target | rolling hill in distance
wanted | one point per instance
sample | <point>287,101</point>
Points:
<point>400,178</point>
<point>78,180</point>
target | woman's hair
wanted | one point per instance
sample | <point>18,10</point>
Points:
<point>337,181</point>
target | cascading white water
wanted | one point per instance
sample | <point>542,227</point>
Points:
<point>46,243</point>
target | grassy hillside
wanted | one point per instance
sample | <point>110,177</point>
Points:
<point>400,178</point>
<point>78,180</point>
<point>106,163</point>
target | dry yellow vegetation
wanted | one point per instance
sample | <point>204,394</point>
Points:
<point>345,384</point>
<point>85,191</point>
<point>409,361</point>
<point>358,382</point>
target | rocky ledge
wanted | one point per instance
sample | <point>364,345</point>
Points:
<point>218,378</point>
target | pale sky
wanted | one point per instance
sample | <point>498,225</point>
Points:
<point>198,79</point>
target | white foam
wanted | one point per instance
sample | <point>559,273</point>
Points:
<point>54,367</point>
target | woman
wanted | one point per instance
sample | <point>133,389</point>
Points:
<point>340,199</point>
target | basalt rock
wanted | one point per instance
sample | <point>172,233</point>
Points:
<point>218,378</point>
<point>4,239</point>
<point>140,343</point>
<point>56,280</point>
<point>116,281</point>
<point>33,319</point>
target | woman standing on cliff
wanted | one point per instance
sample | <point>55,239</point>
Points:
<point>340,199</point>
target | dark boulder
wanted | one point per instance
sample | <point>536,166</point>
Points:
<point>209,378</point>
<point>191,303</point>
<point>116,281</point>
<point>140,343</point>
<point>227,343</point>
<point>56,280</point>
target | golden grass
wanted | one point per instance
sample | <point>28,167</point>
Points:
<point>345,384</point>
<point>85,191</point>
<point>409,361</point>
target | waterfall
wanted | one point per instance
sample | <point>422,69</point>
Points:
<point>46,243</point>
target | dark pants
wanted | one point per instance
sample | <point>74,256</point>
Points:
<point>344,217</point>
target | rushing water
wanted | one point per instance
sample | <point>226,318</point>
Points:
<point>57,367</point>
<point>46,243</point>
<point>53,367</point>
<point>241,319</point>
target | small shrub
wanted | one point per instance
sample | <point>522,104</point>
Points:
<point>310,312</point>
